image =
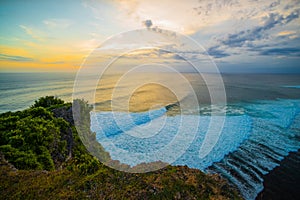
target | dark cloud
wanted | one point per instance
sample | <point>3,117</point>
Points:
<point>216,52</point>
<point>15,58</point>
<point>274,19</point>
<point>163,52</point>
<point>147,23</point>
<point>281,51</point>
<point>274,4</point>
<point>178,57</point>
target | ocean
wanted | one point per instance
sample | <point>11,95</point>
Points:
<point>173,120</point>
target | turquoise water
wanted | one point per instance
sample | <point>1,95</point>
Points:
<point>261,123</point>
<point>293,86</point>
<point>251,143</point>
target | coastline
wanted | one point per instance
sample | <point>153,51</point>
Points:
<point>80,176</point>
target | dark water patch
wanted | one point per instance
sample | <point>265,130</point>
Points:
<point>283,182</point>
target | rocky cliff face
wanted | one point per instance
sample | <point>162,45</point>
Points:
<point>64,112</point>
<point>4,164</point>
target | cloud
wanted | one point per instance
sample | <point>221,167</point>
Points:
<point>57,23</point>
<point>147,23</point>
<point>6,57</point>
<point>260,38</point>
<point>259,32</point>
<point>153,53</point>
<point>31,32</point>
<point>286,33</point>
<point>217,53</point>
<point>195,15</point>
<point>38,34</point>
<point>281,51</point>
<point>178,57</point>
<point>227,28</point>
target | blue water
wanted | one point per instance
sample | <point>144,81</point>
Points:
<point>19,90</point>
<point>262,124</point>
<point>255,137</point>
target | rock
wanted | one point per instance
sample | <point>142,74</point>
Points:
<point>5,163</point>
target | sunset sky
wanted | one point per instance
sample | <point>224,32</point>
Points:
<point>240,35</point>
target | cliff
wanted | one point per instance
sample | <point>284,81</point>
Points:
<point>54,164</point>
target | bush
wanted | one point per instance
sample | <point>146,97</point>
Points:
<point>20,159</point>
<point>29,137</point>
<point>35,139</point>
<point>47,102</point>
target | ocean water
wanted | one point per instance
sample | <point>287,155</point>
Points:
<point>19,90</point>
<point>260,123</point>
<point>250,145</point>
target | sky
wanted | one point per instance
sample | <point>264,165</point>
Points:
<point>238,35</point>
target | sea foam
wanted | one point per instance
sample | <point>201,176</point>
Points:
<point>146,137</point>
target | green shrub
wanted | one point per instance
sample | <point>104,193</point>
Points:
<point>29,137</point>
<point>20,159</point>
<point>48,101</point>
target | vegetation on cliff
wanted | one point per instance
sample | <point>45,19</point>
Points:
<point>42,157</point>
